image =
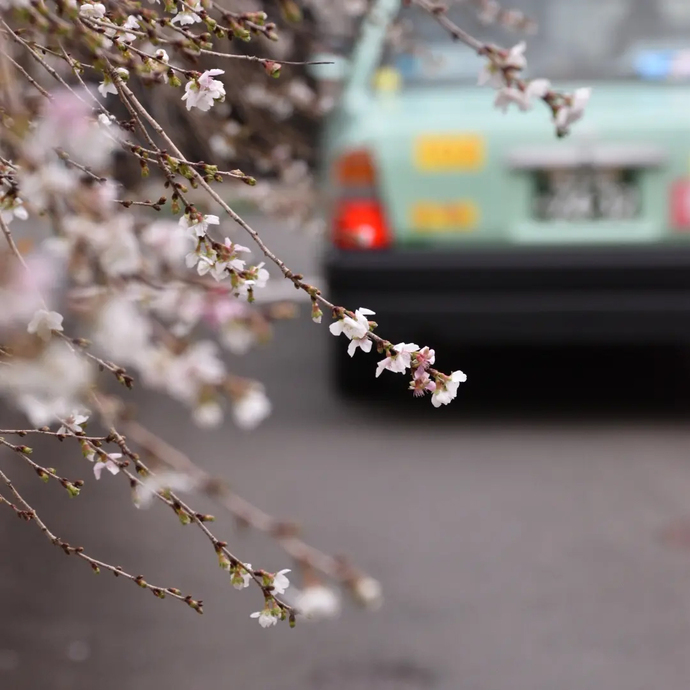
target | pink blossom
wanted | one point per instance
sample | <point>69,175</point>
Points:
<point>398,360</point>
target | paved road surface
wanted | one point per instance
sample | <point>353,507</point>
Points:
<point>519,537</point>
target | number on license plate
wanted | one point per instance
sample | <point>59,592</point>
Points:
<point>577,195</point>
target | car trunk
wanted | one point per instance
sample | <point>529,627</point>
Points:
<point>453,170</point>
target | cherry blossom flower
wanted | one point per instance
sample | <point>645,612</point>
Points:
<point>203,257</point>
<point>197,367</point>
<point>145,492</point>
<point>204,91</point>
<point>447,390</point>
<point>48,387</point>
<point>267,617</point>
<point>170,241</point>
<point>318,602</point>
<point>109,464</point>
<point>252,408</point>
<point>537,88</point>
<point>398,360</point>
<point>280,582</point>
<point>122,330</point>
<point>106,120</point>
<point>208,415</point>
<point>119,32</point>
<point>237,337</point>
<point>198,227</point>
<point>421,383</point>
<point>73,423</point>
<point>94,10</point>
<point>257,277</point>
<point>241,577</point>
<point>187,16</point>
<point>363,343</point>
<point>367,590</point>
<point>492,74</point>
<point>107,86</point>
<point>44,323</point>
<point>424,358</point>
<point>352,328</point>
<point>572,112</point>
<point>11,208</point>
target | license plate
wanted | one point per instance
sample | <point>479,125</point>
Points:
<point>443,153</point>
<point>586,195</point>
<point>459,216</point>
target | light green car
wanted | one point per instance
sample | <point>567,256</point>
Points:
<point>451,218</point>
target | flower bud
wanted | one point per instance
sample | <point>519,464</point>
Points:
<point>272,68</point>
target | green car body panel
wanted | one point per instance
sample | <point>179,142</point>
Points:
<point>504,272</point>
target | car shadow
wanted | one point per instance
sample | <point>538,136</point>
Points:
<point>578,384</point>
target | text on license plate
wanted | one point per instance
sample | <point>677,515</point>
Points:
<point>459,216</point>
<point>587,194</point>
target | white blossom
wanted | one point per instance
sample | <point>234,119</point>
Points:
<point>187,16</point>
<point>363,343</point>
<point>73,423</point>
<point>352,328</point>
<point>94,10</point>
<point>145,492</point>
<point>109,463</point>
<point>132,22</point>
<point>241,577</point>
<point>537,88</point>
<point>106,120</point>
<point>11,208</point>
<point>492,74</point>
<point>198,227</point>
<point>44,323</point>
<point>203,257</point>
<point>399,360</point>
<point>266,617</point>
<point>237,337</point>
<point>170,241</point>
<point>204,91</point>
<point>280,582</point>
<point>446,391</point>
<point>251,408</point>
<point>318,602</point>
<point>197,367</point>
<point>208,415</point>
<point>368,592</point>
<point>107,86</point>
<point>568,114</point>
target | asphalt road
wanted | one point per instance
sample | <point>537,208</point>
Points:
<point>531,537</point>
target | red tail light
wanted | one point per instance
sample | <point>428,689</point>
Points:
<point>680,204</point>
<point>359,221</point>
<point>360,224</point>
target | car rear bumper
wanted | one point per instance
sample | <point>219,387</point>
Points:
<point>638,294</point>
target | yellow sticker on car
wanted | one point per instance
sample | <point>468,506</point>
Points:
<point>459,216</point>
<point>449,152</point>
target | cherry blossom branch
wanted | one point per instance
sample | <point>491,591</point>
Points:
<point>502,72</point>
<point>187,515</point>
<point>285,533</point>
<point>44,473</point>
<point>29,514</point>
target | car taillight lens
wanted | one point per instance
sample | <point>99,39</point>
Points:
<point>355,169</point>
<point>360,224</point>
<point>680,204</point>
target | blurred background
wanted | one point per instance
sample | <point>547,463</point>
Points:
<point>534,534</point>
